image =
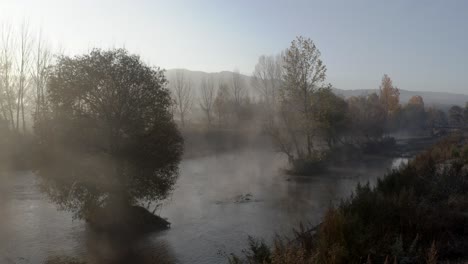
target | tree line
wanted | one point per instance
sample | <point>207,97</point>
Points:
<point>223,103</point>
<point>118,115</point>
<point>25,59</point>
<point>302,115</point>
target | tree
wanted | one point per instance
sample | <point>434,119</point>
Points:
<point>222,104</point>
<point>238,92</point>
<point>40,74</point>
<point>111,138</point>
<point>367,117</point>
<point>23,70</point>
<point>266,78</point>
<point>7,81</point>
<point>416,101</point>
<point>413,115</point>
<point>436,117</point>
<point>389,95</point>
<point>304,73</point>
<point>465,114</point>
<point>207,99</point>
<point>455,116</point>
<point>331,115</point>
<point>15,75</point>
<point>183,95</point>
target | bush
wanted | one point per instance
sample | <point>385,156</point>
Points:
<point>415,214</point>
<point>307,166</point>
<point>257,252</point>
<point>379,146</point>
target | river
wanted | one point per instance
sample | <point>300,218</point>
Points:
<point>218,201</point>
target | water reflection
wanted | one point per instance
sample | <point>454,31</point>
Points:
<point>33,231</point>
<point>205,210</point>
<point>103,248</point>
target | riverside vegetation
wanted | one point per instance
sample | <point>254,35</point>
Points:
<point>415,214</point>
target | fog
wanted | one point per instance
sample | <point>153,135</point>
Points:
<point>105,158</point>
<point>206,211</point>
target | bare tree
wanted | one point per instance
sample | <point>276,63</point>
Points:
<point>261,77</point>
<point>7,96</point>
<point>267,78</point>
<point>238,88</point>
<point>207,99</point>
<point>222,104</point>
<point>183,96</point>
<point>40,74</point>
<point>238,92</point>
<point>23,64</point>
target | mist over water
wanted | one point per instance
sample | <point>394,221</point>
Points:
<point>218,201</point>
<point>166,141</point>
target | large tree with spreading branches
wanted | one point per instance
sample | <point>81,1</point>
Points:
<point>108,137</point>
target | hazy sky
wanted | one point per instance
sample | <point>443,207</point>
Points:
<point>422,45</point>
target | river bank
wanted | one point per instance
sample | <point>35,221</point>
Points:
<point>414,214</point>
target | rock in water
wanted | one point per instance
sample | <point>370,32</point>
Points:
<point>132,219</point>
<point>152,222</point>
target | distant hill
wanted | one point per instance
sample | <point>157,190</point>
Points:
<point>196,78</point>
<point>439,99</point>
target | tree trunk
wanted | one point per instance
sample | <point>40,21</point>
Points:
<point>22,114</point>
<point>182,119</point>
<point>18,104</point>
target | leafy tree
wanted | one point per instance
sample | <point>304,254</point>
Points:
<point>304,73</point>
<point>330,111</point>
<point>367,117</point>
<point>111,137</point>
<point>455,115</point>
<point>389,95</point>
<point>436,117</point>
<point>416,101</point>
<point>413,115</point>
<point>465,114</point>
